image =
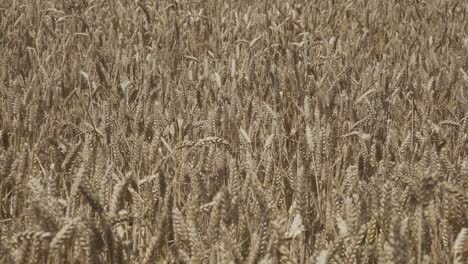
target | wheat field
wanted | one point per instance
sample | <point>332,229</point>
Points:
<point>186,131</point>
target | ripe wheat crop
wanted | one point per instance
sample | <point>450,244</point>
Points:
<point>184,131</point>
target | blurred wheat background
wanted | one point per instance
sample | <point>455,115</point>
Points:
<point>184,131</point>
